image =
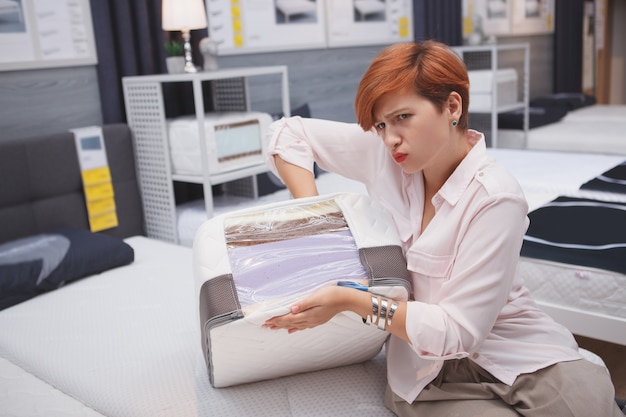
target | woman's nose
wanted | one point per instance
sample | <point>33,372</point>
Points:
<point>391,139</point>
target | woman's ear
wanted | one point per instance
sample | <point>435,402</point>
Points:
<point>455,105</point>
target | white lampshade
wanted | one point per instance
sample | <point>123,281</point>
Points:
<point>183,15</point>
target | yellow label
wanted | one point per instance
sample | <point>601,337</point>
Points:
<point>236,12</point>
<point>103,221</point>
<point>403,24</point>
<point>98,191</point>
<point>104,205</point>
<point>96,175</point>
<point>468,26</point>
<point>237,25</point>
<point>238,40</point>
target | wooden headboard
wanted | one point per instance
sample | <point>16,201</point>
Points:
<point>41,187</point>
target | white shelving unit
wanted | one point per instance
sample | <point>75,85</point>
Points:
<point>495,58</point>
<point>145,110</point>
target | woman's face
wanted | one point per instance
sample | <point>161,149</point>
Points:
<point>414,131</point>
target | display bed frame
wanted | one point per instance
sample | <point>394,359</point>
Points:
<point>126,342</point>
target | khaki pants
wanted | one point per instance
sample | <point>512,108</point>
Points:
<point>462,388</point>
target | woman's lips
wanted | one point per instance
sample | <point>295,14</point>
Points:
<point>399,157</point>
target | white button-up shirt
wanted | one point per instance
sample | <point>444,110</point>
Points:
<point>467,300</point>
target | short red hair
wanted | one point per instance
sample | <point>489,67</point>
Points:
<point>431,68</point>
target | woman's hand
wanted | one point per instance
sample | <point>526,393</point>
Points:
<point>317,309</point>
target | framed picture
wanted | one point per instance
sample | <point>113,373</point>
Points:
<point>45,33</point>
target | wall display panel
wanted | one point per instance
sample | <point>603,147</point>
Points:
<point>368,22</point>
<point>491,17</point>
<point>244,26</point>
<point>532,17</point>
<point>45,34</point>
<point>248,26</point>
<point>507,17</point>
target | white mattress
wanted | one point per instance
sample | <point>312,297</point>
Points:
<point>593,129</point>
<point>238,136</point>
<point>126,343</point>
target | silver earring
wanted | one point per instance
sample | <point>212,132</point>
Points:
<point>454,123</point>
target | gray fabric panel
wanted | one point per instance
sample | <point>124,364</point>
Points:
<point>218,297</point>
<point>41,186</point>
<point>384,262</point>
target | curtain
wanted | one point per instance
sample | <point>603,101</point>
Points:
<point>568,46</point>
<point>129,41</point>
<point>438,19</point>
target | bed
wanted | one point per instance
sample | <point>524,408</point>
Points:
<point>368,7</point>
<point>295,7</point>
<point>582,127</point>
<point>11,7</point>
<point>126,341</point>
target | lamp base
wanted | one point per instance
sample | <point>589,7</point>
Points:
<point>189,66</point>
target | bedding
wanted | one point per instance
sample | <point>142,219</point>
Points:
<point>33,265</point>
<point>589,129</point>
<point>251,265</point>
<point>612,180</point>
<point>125,343</point>
<point>578,231</point>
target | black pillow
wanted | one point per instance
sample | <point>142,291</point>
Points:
<point>37,264</point>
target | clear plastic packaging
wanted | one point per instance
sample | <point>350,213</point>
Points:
<point>281,252</point>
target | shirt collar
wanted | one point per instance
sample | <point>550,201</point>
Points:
<point>463,175</point>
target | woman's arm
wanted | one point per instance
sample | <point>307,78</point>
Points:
<point>299,181</point>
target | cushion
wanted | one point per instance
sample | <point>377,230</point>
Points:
<point>570,101</point>
<point>537,116</point>
<point>37,264</point>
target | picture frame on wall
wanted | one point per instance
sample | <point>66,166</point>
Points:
<point>45,34</point>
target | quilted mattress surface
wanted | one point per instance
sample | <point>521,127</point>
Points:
<point>124,343</point>
<point>252,264</point>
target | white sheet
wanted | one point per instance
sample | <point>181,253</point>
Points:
<point>592,129</point>
<point>127,343</point>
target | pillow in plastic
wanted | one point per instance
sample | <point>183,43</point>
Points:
<point>253,264</point>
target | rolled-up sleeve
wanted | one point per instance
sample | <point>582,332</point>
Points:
<point>342,148</point>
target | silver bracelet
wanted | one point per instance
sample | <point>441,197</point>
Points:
<point>392,311</point>
<point>382,318</point>
<point>373,316</point>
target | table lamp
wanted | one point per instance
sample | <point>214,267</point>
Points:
<point>184,15</point>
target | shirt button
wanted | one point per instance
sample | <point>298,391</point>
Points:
<point>475,355</point>
<point>480,174</point>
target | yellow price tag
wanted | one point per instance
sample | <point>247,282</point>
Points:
<point>236,12</point>
<point>403,24</point>
<point>238,40</point>
<point>98,191</point>
<point>104,205</point>
<point>103,221</point>
<point>96,175</point>
<point>237,25</point>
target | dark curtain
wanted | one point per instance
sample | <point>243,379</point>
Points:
<point>129,41</point>
<point>568,45</point>
<point>440,20</point>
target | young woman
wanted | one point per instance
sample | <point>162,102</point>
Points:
<point>470,341</point>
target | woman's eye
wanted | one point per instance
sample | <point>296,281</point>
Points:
<point>402,116</point>
<point>379,126</point>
